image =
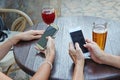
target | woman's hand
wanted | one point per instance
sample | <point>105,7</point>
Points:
<point>50,50</point>
<point>44,71</point>
<point>95,52</point>
<point>28,35</point>
<point>76,54</point>
<point>78,58</point>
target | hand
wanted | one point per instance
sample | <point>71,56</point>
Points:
<point>28,35</point>
<point>76,54</point>
<point>95,52</point>
<point>50,50</point>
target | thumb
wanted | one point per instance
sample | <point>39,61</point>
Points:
<point>48,42</point>
<point>88,45</point>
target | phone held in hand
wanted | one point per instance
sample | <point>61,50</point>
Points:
<point>77,36</point>
<point>50,31</point>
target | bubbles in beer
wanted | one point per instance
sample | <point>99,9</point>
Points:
<point>99,36</point>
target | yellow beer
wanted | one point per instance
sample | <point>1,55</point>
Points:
<point>99,34</point>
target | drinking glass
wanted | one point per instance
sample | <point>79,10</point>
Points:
<point>99,33</point>
<point>48,13</point>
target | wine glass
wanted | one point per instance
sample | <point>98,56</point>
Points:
<point>48,15</point>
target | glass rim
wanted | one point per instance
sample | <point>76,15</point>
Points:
<point>48,9</point>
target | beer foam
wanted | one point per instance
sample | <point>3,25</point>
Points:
<point>99,30</point>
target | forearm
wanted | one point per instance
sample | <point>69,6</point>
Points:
<point>78,73</point>
<point>43,72</point>
<point>7,45</point>
<point>4,77</point>
<point>4,48</point>
<point>111,60</point>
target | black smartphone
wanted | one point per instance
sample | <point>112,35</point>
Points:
<point>77,36</point>
<point>50,31</point>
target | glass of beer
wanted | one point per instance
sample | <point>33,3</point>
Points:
<point>99,33</point>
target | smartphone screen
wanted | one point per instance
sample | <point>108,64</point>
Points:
<point>77,36</point>
<point>50,31</point>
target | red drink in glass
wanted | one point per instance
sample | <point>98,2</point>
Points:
<point>48,15</point>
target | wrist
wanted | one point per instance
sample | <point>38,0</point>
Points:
<point>49,63</point>
<point>79,67</point>
<point>80,63</point>
<point>15,40</point>
<point>50,58</point>
<point>103,58</point>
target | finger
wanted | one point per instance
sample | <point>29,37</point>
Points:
<point>37,36</point>
<point>78,48</point>
<point>48,37</point>
<point>37,48</point>
<point>34,32</point>
<point>91,45</point>
<point>49,41</point>
<point>72,56</point>
<point>42,51</point>
<point>72,51</point>
<point>53,37</point>
<point>71,48</point>
<point>88,40</point>
<point>45,53</point>
<point>88,45</point>
<point>77,45</point>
